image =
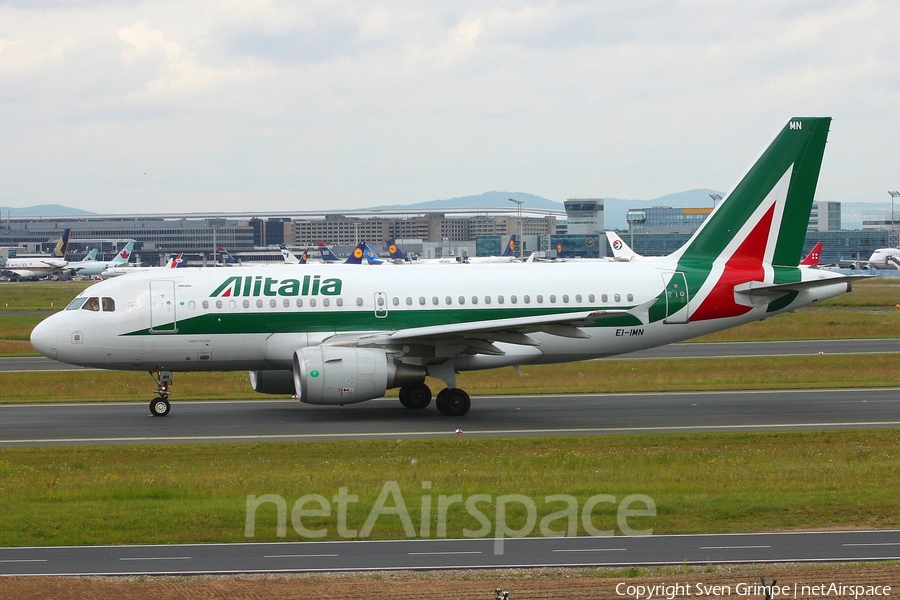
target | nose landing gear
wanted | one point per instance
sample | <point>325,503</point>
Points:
<point>159,406</point>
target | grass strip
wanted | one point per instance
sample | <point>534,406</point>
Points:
<point>598,376</point>
<point>723,482</point>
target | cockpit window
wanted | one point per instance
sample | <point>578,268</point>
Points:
<point>76,303</point>
<point>109,305</point>
<point>93,303</point>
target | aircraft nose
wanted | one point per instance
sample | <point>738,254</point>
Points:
<point>43,338</point>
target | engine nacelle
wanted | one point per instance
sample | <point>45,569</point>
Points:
<point>272,382</point>
<point>338,375</point>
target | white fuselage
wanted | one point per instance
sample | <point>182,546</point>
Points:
<point>175,319</point>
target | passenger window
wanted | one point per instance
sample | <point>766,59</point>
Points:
<point>93,304</point>
<point>499,299</point>
<point>300,302</point>
<point>286,303</point>
<point>326,302</point>
<point>408,301</point>
<point>462,300</point>
<point>513,299</point>
<point>552,298</point>
<point>232,304</point>
<point>434,300</point>
<point>421,300</point>
<point>448,300</point>
<point>604,298</point>
<point>577,298</point>
<point>630,297</point>
<point>487,299</point>
<point>206,303</point>
<point>380,302</point>
<point>312,301</point>
<point>339,301</point>
<point>395,301</point>
<point>191,305</point>
<point>359,302</point>
<point>259,303</point>
<point>526,299</point>
<point>617,298</point>
<point>474,299</point>
<point>565,298</point>
<point>272,303</point>
<point>540,299</point>
<point>246,304</point>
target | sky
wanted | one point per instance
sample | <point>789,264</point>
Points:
<point>262,105</point>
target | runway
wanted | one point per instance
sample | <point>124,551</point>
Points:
<point>192,559</point>
<point>680,350</point>
<point>594,414</point>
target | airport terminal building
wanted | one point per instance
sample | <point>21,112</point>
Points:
<point>578,232</point>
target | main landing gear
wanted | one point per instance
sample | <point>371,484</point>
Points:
<point>450,402</point>
<point>159,406</point>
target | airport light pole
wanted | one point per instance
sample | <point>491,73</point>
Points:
<point>715,198</point>
<point>519,204</point>
<point>894,195</point>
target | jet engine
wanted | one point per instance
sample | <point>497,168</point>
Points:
<point>339,375</point>
<point>272,382</point>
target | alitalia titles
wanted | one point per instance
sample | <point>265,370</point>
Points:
<point>257,285</point>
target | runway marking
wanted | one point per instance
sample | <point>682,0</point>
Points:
<point>875,544</point>
<point>394,434</point>
<point>159,558</point>
<point>442,553</point>
<point>591,550</point>
<point>300,556</point>
<point>23,560</point>
<point>732,547</point>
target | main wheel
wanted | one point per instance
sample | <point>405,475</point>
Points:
<point>159,407</point>
<point>415,396</point>
<point>453,402</point>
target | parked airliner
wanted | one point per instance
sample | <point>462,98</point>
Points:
<point>91,268</point>
<point>341,336</point>
<point>35,267</point>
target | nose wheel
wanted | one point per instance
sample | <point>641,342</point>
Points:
<point>159,406</point>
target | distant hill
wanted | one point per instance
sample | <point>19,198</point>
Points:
<point>42,210</point>
<point>614,208</point>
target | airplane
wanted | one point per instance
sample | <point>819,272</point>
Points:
<point>35,267</point>
<point>342,336</point>
<point>91,268</point>
<point>87,260</point>
<point>176,262</point>
<point>883,258</point>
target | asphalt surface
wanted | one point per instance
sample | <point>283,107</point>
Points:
<point>682,350</point>
<point>452,554</point>
<point>125,423</point>
<point>595,414</point>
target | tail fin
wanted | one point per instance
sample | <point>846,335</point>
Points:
<point>621,251</point>
<point>393,251</point>
<point>124,254</point>
<point>764,218</point>
<point>288,256</point>
<point>812,259</point>
<point>176,262</point>
<point>304,258</point>
<point>357,256</point>
<point>62,245</point>
<point>510,249</point>
<point>327,254</point>
<point>225,256</point>
<point>372,257</point>
<point>560,253</point>
<point>91,256</point>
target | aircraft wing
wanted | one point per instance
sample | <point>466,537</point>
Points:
<point>477,337</point>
